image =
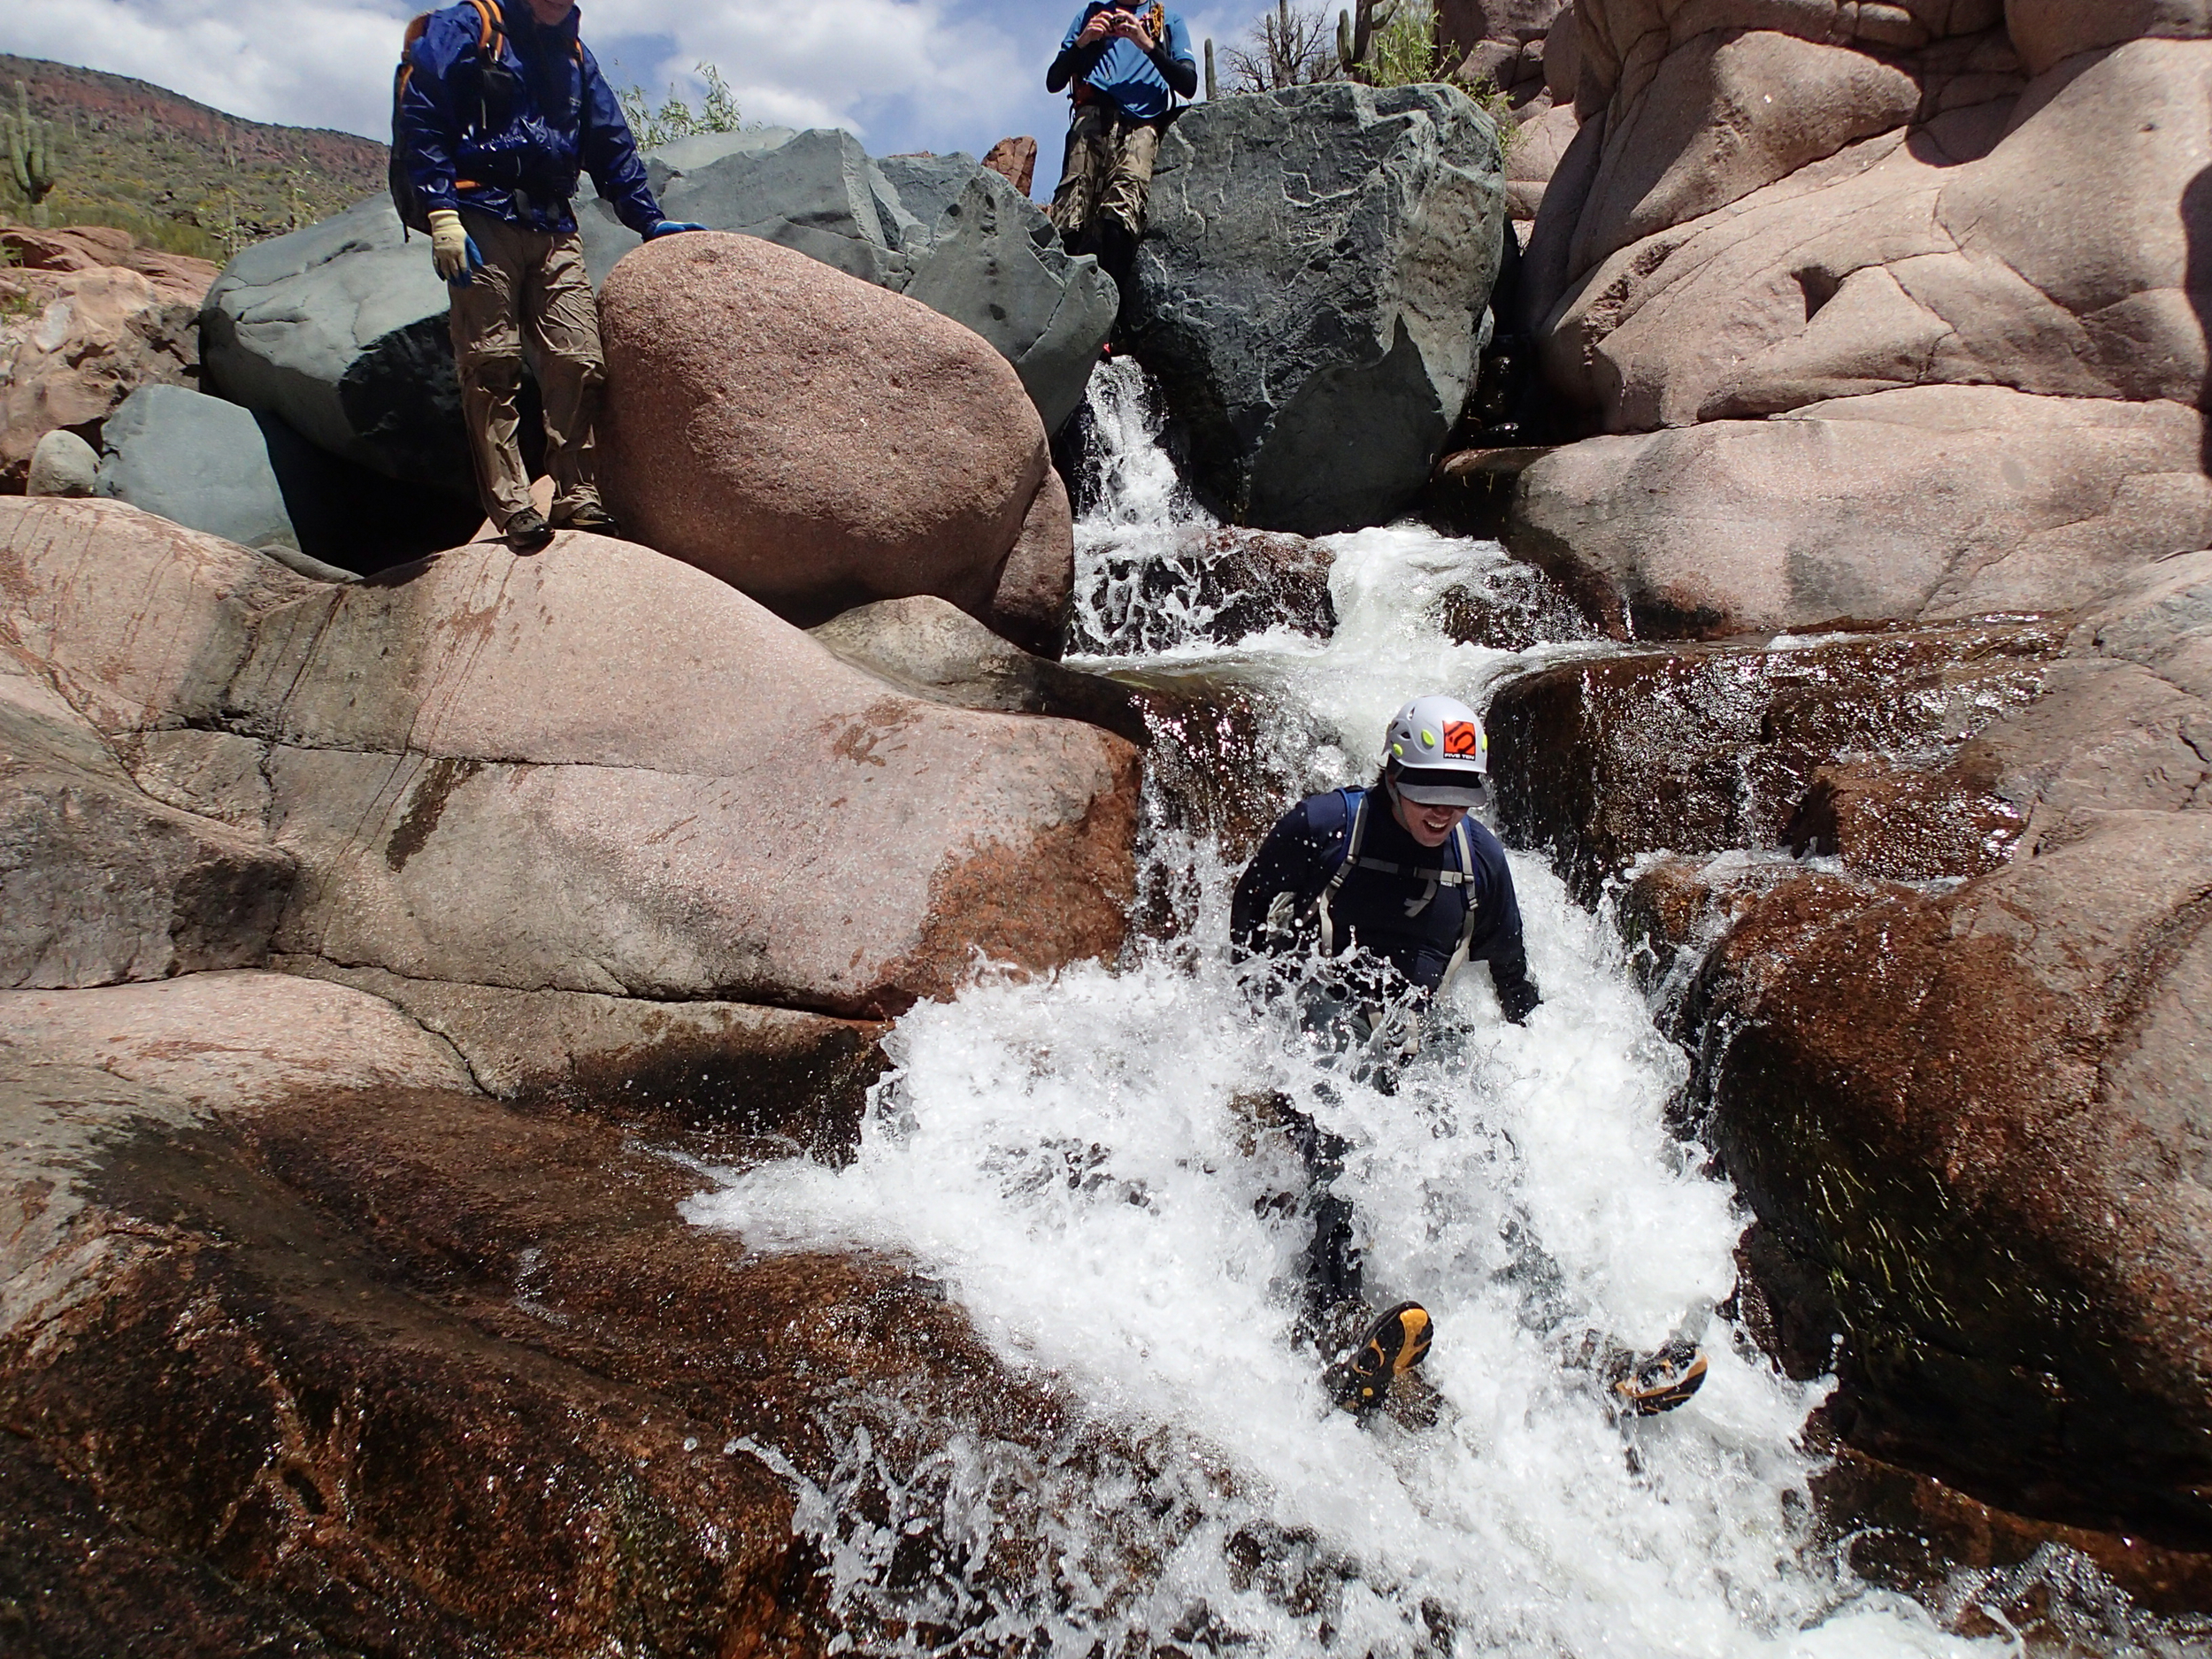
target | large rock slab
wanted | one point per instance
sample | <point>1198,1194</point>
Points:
<point>349,1372</point>
<point>227,1042</point>
<point>1610,760</point>
<point>934,650</point>
<point>597,770</point>
<point>1916,504</point>
<point>1312,294</point>
<point>1950,254</point>
<point>909,467</point>
<point>1967,1108</point>
<point>735,1066</point>
<point>99,882</point>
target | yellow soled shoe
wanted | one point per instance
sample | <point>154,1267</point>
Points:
<point>1660,1381</point>
<point>1393,1344</point>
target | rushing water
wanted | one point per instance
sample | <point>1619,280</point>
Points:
<point>1075,1160</point>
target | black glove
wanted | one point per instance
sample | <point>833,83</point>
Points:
<point>1518,998</point>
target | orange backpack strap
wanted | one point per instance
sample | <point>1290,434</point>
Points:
<point>489,25</point>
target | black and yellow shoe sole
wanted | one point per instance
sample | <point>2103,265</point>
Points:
<point>1662,1385</point>
<point>1393,1344</point>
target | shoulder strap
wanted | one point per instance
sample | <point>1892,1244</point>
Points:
<point>1464,843</point>
<point>489,25</point>
<point>1354,835</point>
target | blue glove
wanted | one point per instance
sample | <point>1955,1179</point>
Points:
<point>670,227</point>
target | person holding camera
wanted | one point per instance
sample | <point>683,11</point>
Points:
<point>1125,65</point>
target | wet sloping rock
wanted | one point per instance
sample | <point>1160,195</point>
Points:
<point>1312,290</point>
<point>90,320</point>
<point>737,1065</point>
<point>1866,219</point>
<point>936,651</point>
<point>1970,1117</point>
<point>597,770</point>
<point>366,1372</point>
<point>909,468</point>
<point>1704,751</point>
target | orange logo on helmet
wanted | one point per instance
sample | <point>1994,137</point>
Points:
<point>1461,737</point>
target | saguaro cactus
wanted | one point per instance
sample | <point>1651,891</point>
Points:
<point>30,153</point>
<point>1355,32</point>
<point>1213,88</point>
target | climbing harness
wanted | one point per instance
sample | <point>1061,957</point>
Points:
<point>1356,837</point>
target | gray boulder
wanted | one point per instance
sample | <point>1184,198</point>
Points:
<point>1313,290</point>
<point>198,460</point>
<point>340,329</point>
<point>243,475</point>
<point>62,464</point>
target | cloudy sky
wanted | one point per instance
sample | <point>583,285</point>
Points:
<point>902,74</point>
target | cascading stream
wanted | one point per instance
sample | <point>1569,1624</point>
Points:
<point>1073,1162</point>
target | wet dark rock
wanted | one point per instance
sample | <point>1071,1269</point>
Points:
<point>411,1372</point>
<point>1705,748</point>
<point>1512,608</point>
<point>1971,1114</point>
<point>1221,584</point>
<point>1312,291</point>
<point>732,1066</point>
<point>1906,824</point>
<point>1905,1531</point>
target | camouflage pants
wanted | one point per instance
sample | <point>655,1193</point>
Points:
<point>1107,169</point>
<point>533,280</point>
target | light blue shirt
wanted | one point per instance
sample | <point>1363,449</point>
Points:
<point>1128,76</point>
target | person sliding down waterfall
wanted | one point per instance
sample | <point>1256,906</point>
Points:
<point>495,114</point>
<point>1397,882</point>
<point>1127,64</point>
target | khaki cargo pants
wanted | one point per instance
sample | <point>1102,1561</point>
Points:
<point>530,280</point>
<point>1108,168</point>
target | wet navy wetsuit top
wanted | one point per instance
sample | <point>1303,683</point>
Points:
<point>1372,908</point>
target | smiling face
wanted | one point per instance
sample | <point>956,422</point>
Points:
<point>1431,826</point>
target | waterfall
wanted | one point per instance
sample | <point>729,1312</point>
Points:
<point>1077,1162</point>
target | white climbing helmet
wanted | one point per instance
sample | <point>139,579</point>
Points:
<point>1436,753</point>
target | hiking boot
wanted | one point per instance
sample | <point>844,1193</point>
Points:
<point>1393,1344</point>
<point>1651,1383</point>
<point>592,516</point>
<point>528,531</point>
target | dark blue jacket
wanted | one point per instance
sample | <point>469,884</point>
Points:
<point>1372,908</point>
<point>509,135</point>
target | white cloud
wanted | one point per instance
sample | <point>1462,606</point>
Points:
<point>306,63</point>
<point>904,74</point>
<point>906,66</point>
